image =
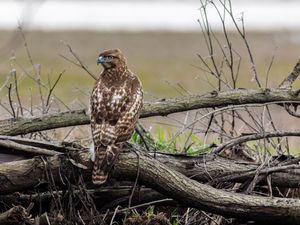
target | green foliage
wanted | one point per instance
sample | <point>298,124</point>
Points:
<point>187,142</point>
<point>166,140</point>
<point>176,221</point>
<point>136,139</point>
<point>151,210</point>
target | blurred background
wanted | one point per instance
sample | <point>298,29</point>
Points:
<point>160,38</point>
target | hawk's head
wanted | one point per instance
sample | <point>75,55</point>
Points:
<point>112,58</point>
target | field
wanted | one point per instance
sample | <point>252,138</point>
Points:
<point>166,62</point>
<point>162,60</point>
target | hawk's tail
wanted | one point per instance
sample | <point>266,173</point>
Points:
<point>104,161</point>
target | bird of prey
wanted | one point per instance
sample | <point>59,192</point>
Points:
<point>116,103</point>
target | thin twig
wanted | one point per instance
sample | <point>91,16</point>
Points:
<point>19,148</point>
<point>52,88</point>
<point>246,138</point>
<point>114,215</point>
<point>10,101</point>
<point>268,71</point>
<point>136,179</point>
<point>27,49</point>
<point>242,33</point>
<point>14,74</point>
<point>146,204</point>
<point>288,81</point>
<point>220,110</point>
<point>269,170</point>
<point>145,137</point>
<point>79,62</point>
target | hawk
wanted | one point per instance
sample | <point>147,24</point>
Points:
<point>116,103</point>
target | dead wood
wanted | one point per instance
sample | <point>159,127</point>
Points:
<point>14,147</point>
<point>162,177</point>
<point>107,197</point>
<point>164,107</point>
<point>23,174</point>
<point>25,146</point>
<point>14,216</point>
<point>250,137</point>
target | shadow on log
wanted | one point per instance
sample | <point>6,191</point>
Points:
<point>15,215</point>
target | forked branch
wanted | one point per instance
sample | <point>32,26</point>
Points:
<point>289,80</point>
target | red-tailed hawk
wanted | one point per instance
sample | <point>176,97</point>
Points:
<point>116,104</point>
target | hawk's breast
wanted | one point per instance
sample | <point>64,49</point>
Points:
<point>115,101</point>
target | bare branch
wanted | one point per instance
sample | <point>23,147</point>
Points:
<point>239,175</point>
<point>229,100</point>
<point>25,149</point>
<point>246,138</point>
<point>27,49</point>
<point>289,80</point>
<point>52,88</point>
<point>79,62</point>
<point>241,31</point>
<point>14,73</point>
<point>10,101</point>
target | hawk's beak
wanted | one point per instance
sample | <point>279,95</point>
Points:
<point>100,59</point>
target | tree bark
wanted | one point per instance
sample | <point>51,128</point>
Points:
<point>204,168</point>
<point>24,174</point>
<point>165,107</point>
<point>14,216</point>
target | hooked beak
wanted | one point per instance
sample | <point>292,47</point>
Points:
<point>100,59</point>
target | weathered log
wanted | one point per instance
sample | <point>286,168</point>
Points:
<point>28,173</point>
<point>14,216</point>
<point>203,168</point>
<point>19,126</point>
<point>113,195</point>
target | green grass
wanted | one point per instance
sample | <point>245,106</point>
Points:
<point>166,140</point>
<point>192,145</point>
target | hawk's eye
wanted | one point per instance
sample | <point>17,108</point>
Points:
<point>105,59</point>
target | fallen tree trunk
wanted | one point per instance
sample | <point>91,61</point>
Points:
<point>165,107</point>
<point>28,173</point>
<point>24,174</point>
<point>108,196</point>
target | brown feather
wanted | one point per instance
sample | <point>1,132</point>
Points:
<point>116,103</point>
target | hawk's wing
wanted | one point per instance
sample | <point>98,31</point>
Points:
<point>126,123</point>
<point>97,113</point>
